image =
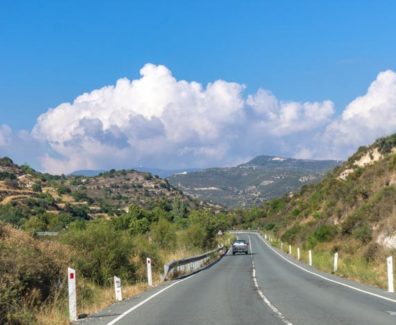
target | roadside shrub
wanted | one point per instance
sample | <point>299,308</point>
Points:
<point>103,251</point>
<point>164,234</point>
<point>363,233</point>
<point>31,272</point>
<point>291,235</point>
<point>325,233</point>
<point>372,252</point>
<point>143,248</point>
<point>269,226</point>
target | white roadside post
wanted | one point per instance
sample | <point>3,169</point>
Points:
<point>310,258</point>
<point>265,236</point>
<point>290,250</point>
<point>117,288</point>
<point>389,262</point>
<point>149,273</point>
<point>281,246</point>
<point>335,266</point>
<point>71,276</point>
<point>298,253</point>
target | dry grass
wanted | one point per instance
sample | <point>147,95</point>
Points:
<point>351,263</point>
<point>57,313</point>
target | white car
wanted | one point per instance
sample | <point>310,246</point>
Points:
<point>240,246</point>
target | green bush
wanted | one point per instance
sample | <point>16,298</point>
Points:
<point>325,233</point>
<point>363,233</point>
<point>7,176</point>
<point>103,251</point>
<point>63,189</point>
<point>6,162</point>
<point>385,145</point>
<point>37,187</point>
<point>291,235</point>
<point>11,214</point>
<point>31,272</point>
<point>164,234</point>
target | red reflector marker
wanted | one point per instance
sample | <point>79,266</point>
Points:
<point>71,276</point>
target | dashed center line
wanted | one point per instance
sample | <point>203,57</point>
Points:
<point>261,294</point>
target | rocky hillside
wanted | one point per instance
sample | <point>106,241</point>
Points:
<point>25,193</point>
<point>352,210</point>
<point>249,184</point>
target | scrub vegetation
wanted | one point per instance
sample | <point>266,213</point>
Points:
<point>351,211</point>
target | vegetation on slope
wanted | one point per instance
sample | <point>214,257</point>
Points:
<point>33,270</point>
<point>351,211</point>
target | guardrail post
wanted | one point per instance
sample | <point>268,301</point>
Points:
<point>149,272</point>
<point>71,276</point>
<point>310,257</point>
<point>298,253</point>
<point>389,262</point>
<point>290,250</point>
<point>335,266</point>
<point>117,288</point>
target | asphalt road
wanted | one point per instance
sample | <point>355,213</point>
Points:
<point>266,287</point>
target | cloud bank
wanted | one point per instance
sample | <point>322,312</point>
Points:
<point>159,121</point>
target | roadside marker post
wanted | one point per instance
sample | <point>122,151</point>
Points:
<point>298,253</point>
<point>335,266</point>
<point>281,246</point>
<point>310,257</point>
<point>149,272</point>
<point>290,250</point>
<point>389,262</point>
<point>117,288</point>
<point>71,281</point>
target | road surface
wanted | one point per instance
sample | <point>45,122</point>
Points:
<point>266,287</point>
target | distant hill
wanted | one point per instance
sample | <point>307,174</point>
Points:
<point>26,193</point>
<point>258,180</point>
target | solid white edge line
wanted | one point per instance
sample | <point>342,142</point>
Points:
<point>151,297</point>
<point>146,300</point>
<point>321,276</point>
<point>261,294</point>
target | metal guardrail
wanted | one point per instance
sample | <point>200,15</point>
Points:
<point>47,233</point>
<point>190,265</point>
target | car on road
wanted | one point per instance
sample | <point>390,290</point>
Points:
<point>240,246</point>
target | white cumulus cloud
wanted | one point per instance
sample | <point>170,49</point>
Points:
<point>159,121</point>
<point>365,119</point>
<point>5,135</point>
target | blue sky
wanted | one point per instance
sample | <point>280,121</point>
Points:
<point>54,51</point>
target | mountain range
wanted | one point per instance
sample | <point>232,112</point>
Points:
<point>252,183</point>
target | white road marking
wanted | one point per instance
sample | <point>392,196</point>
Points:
<point>151,297</point>
<point>146,300</point>
<point>325,278</point>
<point>265,299</point>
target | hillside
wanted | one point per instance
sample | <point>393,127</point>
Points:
<point>249,184</point>
<point>352,211</point>
<point>42,201</point>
